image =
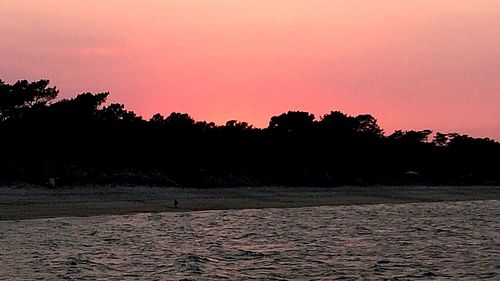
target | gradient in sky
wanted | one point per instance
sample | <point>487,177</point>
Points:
<point>413,64</point>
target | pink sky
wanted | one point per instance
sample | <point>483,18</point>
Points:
<point>413,64</point>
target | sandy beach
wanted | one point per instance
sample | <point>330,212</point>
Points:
<point>28,202</point>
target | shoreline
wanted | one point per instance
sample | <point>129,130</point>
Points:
<point>30,202</point>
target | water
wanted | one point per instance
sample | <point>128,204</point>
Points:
<point>424,241</point>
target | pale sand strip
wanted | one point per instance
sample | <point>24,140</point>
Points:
<point>22,202</point>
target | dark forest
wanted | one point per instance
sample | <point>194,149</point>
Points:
<point>85,141</point>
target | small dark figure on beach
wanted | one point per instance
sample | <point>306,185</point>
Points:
<point>176,203</point>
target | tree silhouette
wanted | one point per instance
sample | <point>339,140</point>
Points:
<point>83,140</point>
<point>340,126</point>
<point>293,123</point>
<point>366,125</point>
<point>18,98</point>
<point>179,121</point>
<point>117,112</point>
<point>157,119</point>
<point>410,137</point>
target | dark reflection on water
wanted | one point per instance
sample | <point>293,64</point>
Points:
<point>425,241</point>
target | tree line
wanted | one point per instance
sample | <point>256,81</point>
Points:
<point>83,140</point>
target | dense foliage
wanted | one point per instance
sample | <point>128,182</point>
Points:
<point>82,140</point>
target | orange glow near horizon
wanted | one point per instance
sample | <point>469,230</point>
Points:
<point>412,64</point>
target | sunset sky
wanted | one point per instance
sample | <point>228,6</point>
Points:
<point>413,64</point>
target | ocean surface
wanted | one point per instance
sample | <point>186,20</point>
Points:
<point>423,241</point>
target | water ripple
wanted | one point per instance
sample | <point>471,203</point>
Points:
<point>424,241</point>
